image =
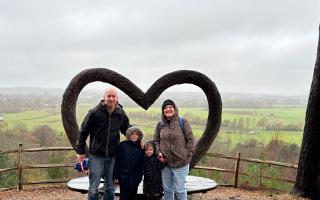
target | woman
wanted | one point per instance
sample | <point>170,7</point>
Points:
<point>174,143</point>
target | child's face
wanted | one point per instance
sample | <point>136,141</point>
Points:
<point>149,151</point>
<point>134,136</point>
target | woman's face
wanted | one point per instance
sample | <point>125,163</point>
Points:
<point>168,111</point>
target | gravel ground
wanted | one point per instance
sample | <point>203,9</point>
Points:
<point>61,192</point>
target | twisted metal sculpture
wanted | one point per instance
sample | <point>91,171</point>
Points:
<point>145,100</point>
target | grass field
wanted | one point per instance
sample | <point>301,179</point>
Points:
<point>226,141</point>
<point>286,115</point>
<point>52,118</point>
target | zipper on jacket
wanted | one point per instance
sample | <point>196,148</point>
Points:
<point>94,138</point>
<point>108,136</point>
<point>170,144</point>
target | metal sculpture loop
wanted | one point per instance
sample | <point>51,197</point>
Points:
<point>145,100</point>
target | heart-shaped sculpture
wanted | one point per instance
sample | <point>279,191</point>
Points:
<point>145,100</point>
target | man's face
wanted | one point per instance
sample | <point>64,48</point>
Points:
<point>111,98</point>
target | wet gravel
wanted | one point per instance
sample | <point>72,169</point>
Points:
<point>58,192</point>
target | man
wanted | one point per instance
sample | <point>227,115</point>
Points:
<point>103,123</point>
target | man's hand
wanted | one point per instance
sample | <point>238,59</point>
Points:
<point>80,157</point>
<point>86,172</point>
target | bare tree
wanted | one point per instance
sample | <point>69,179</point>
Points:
<point>308,175</point>
<point>45,135</point>
<point>21,129</point>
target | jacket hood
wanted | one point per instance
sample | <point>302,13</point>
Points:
<point>134,129</point>
<point>152,143</point>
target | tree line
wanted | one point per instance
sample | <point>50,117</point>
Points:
<point>17,100</point>
<point>43,136</point>
<point>251,124</point>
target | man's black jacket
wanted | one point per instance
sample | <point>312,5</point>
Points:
<point>103,129</point>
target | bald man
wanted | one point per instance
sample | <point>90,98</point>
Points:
<point>103,123</point>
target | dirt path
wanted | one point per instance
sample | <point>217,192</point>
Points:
<point>61,192</point>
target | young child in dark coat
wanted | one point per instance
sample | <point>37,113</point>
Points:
<point>129,164</point>
<point>152,182</point>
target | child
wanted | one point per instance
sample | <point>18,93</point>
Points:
<point>152,182</point>
<point>129,164</point>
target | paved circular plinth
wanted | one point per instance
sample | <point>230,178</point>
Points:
<point>194,184</point>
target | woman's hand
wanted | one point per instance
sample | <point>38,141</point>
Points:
<point>161,157</point>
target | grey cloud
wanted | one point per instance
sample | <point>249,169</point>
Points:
<point>242,45</point>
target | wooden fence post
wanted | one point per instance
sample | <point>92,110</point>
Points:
<point>237,170</point>
<point>260,175</point>
<point>20,151</point>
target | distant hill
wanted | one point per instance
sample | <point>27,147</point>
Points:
<point>15,99</point>
<point>29,90</point>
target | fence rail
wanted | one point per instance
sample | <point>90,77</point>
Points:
<point>21,167</point>
<point>236,171</point>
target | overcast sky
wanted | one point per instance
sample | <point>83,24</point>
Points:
<point>249,46</point>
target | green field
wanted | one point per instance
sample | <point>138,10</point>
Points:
<point>52,118</point>
<point>250,144</point>
<point>286,115</point>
